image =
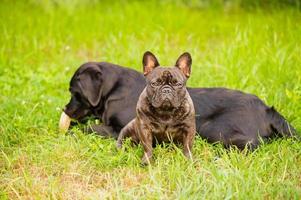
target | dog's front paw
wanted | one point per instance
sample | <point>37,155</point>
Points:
<point>146,159</point>
<point>188,155</point>
<point>119,144</point>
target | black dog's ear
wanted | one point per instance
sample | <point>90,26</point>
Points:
<point>150,62</point>
<point>90,82</point>
<point>184,64</point>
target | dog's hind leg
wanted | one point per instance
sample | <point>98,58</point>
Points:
<point>128,131</point>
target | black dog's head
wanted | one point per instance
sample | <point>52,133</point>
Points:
<point>85,88</point>
<point>166,87</point>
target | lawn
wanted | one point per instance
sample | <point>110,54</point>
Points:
<point>42,43</point>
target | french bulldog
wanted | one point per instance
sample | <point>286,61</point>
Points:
<point>165,111</point>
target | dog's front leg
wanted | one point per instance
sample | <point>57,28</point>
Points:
<point>146,139</point>
<point>188,139</point>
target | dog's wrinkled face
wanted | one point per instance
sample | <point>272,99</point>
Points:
<point>166,86</point>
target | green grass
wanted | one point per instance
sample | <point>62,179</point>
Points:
<point>42,44</point>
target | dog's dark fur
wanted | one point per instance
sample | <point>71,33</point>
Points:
<point>164,110</point>
<point>107,92</point>
<point>110,93</point>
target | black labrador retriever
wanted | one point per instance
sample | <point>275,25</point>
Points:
<point>110,92</point>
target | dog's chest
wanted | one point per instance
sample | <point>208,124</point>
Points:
<point>167,132</point>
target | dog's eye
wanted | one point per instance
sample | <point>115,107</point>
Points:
<point>176,83</point>
<point>156,83</point>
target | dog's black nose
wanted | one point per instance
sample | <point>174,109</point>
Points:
<point>166,90</point>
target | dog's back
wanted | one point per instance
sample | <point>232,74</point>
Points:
<point>234,117</point>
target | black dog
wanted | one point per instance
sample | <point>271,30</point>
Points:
<point>105,91</point>
<point>110,93</point>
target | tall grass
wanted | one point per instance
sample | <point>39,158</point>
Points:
<point>43,43</point>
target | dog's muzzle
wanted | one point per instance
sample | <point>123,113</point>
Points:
<point>166,90</point>
<point>166,93</point>
<point>64,122</point>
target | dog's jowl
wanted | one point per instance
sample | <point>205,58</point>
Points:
<point>165,112</point>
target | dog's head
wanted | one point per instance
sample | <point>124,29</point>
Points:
<point>166,87</point>
<point>86,88</point>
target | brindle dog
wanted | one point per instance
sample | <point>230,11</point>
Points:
<point>165,111</point>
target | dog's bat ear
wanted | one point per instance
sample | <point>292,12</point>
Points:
<point>150,62</point>
<point>90,82</point>
<point>184,64</point>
